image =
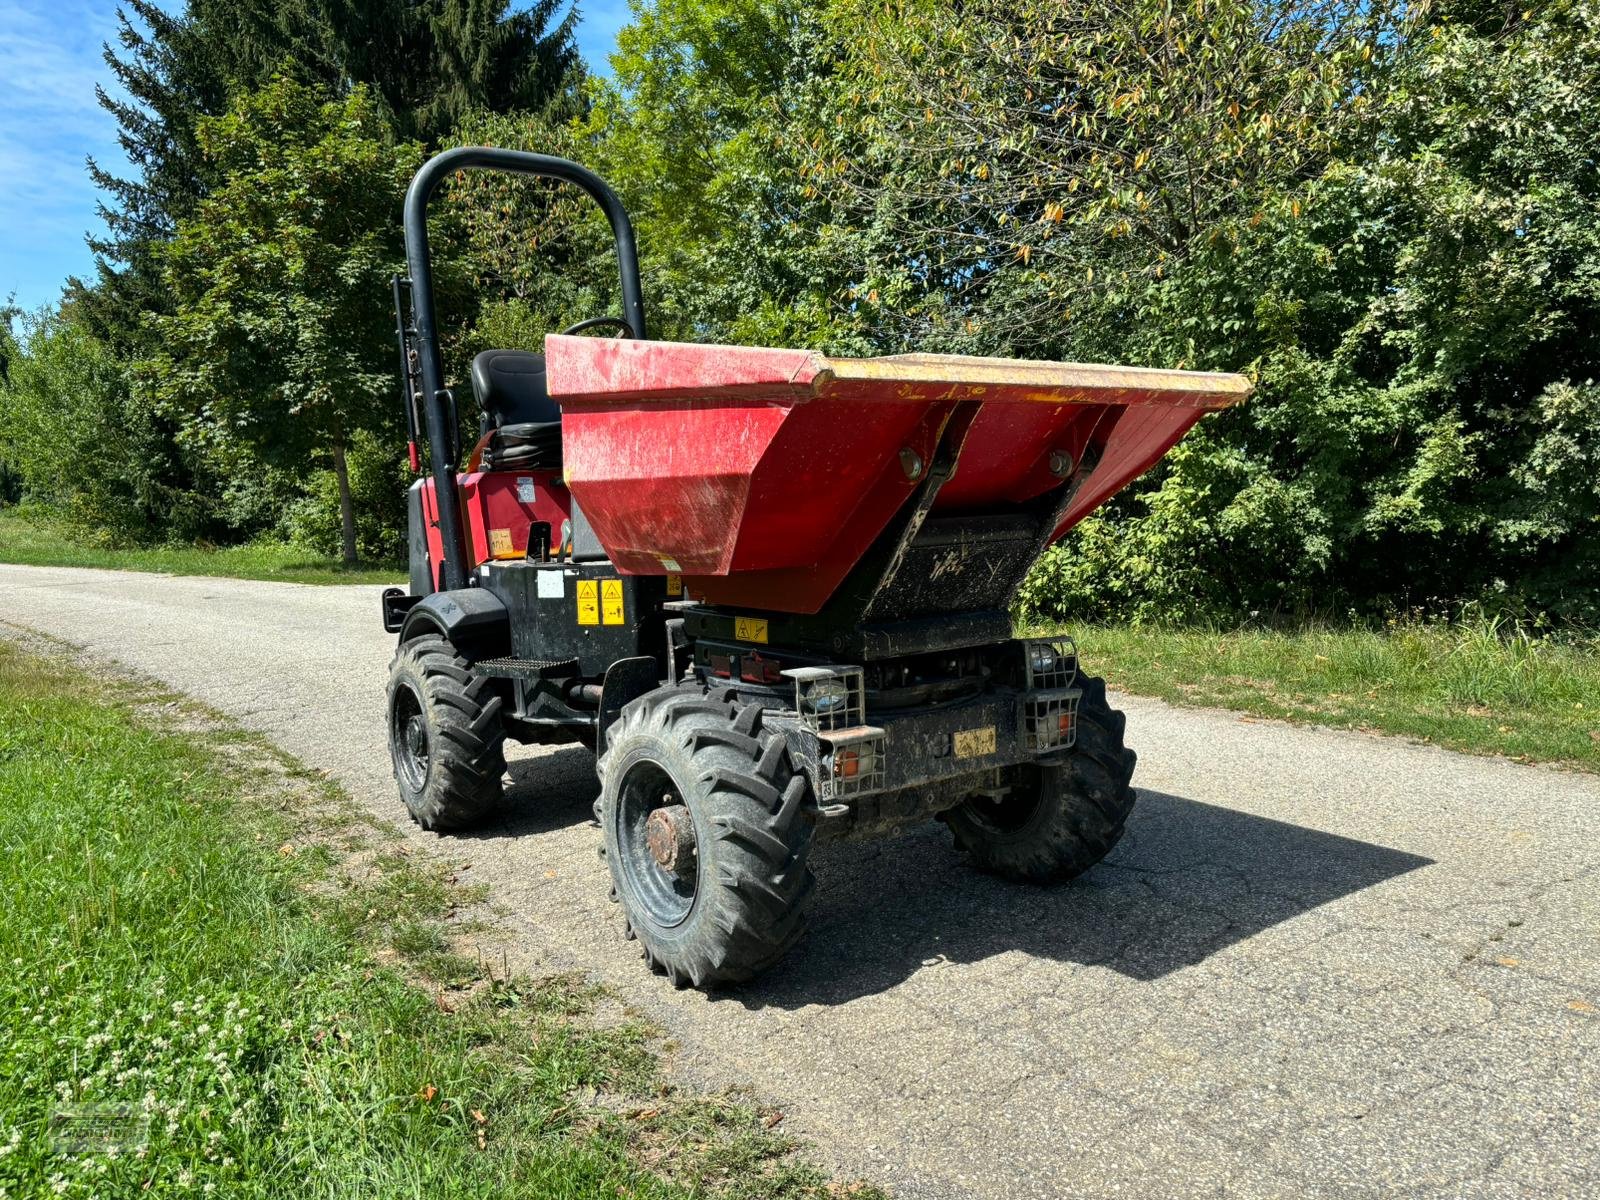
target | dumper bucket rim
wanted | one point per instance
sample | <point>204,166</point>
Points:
<point>587,372</point>
<point>928,377</point>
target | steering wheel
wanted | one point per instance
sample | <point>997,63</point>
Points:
<point>623,328</point>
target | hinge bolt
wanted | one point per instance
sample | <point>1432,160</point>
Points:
<point>911,463</point>
<point>1060,464</point>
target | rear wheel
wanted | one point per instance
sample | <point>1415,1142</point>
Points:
<point>1057,819</point>
<point>445,736</point>
<point>708,829</point>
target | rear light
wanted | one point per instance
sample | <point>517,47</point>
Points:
<point>1042,658</point>
<point>721,665</point>
<point>853,762</point>
<point>1064,725</point>
<point>755,669</point>
<point>827,696</point>
<point>856,767</point>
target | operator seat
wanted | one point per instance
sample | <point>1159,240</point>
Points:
<point>522,423</point>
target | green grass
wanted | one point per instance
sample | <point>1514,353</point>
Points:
<point>1479,686</point>
<point>36,539</point>
<point>216,984</point>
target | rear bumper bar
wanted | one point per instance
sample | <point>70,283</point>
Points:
<point>933,746</point>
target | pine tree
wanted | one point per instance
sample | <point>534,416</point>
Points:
<point>428,62</point>
<point>170,82</point>
<point>433,62</point>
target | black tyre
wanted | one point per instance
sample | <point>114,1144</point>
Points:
<point>445,736</point>
<point>708,829</point>
<point>1058,819</point>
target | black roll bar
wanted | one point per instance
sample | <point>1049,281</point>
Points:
<point>437,404</point>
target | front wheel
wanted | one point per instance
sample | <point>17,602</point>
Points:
<point>708,828</point>
<point>445,736</point>
<point>1055,820</point>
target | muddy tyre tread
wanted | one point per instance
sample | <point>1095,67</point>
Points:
<point>756,881</point>
<point>1081,822</point>
<point>467,764</point>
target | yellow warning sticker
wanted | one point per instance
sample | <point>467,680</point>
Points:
<point>750,629</point>
<point>588,602</point>
<point>611,602</point>
<point>674,585</point>
<point>500,545</point>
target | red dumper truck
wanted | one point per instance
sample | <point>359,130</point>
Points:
<point>769,589</point>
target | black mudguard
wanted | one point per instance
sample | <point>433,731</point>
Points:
<point>626,680</point>
<point>474,620</point>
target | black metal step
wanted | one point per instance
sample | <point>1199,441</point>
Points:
<point>526,666</point>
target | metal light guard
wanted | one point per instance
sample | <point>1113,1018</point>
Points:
<point>1051,695</point>
<point>843,728</point>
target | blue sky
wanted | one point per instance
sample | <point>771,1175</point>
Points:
<point>49,123</point>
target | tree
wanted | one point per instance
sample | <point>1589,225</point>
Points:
<point>72,439</point>
<point>1421,315</point>
<point>427,64</point>
<point>281,336</point>
<point>465,56</point>
<point>1012,176</point>
<point>171,80</point>
<point>697,132</point>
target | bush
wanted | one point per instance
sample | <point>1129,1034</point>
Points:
<point>75,440</point>
<point>378,482</point>
<point>1421,318</point>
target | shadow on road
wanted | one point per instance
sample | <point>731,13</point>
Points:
<point>549,790</point>
<point>1188,880</point>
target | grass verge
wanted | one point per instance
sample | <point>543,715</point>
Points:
<point>36,539</point>
<point>218,983</point>
<point>1480,687</point>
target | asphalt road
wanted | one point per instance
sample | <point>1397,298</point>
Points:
<point>1320,964</point>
